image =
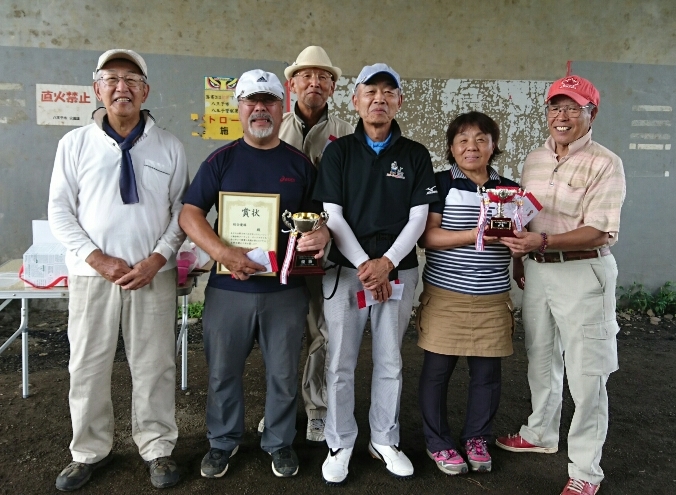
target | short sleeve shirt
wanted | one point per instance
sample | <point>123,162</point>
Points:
<point>238,167</point>
<point>464,269</point>
<point>585,188</point>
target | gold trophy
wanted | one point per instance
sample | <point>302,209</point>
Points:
<point>500,225</point>
<point>302,263</point>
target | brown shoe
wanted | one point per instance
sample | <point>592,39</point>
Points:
<point>579,487</point>
<point>515,443</point>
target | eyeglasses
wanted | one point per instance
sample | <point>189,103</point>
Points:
<point>132,82</point>
<point>570,110</point>
<point>322,76</point>
<point>268,101</point>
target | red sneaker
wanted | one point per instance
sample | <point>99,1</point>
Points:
<point>579,487</point>
<point>514,443</point>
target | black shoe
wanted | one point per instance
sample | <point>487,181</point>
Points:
<point>76,474</point>
<point>215,462</point>
<point>284,462</point>
<point>163,472</point>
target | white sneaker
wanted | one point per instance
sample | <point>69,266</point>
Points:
<point>334,469</point>
<point>315,431</point>
<point>395,460</point>
<point>261,426</point>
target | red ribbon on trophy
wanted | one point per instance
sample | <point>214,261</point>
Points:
<point>304,263</point>
<point>501,224</point>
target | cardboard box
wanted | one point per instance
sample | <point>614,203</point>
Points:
<point>45,260</point>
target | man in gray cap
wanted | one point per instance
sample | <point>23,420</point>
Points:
<point>240,308</point>
<point>114,202</point>
<point>376,186</point>
<point>310,127</point>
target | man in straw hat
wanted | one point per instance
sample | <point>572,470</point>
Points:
<point>310,127</point>
<point>569,277</point>
<point>114,202</point>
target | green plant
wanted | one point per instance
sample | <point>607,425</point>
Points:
<point>664,300</point>
<point>195,310</point>
<point>636,298</point>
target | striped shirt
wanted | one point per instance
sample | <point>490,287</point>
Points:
<point>586,188</point>
<point>464,269</point>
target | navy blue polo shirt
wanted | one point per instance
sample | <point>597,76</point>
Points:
<point>376,191</point>
<point>464,269</point>
<point>239,167</point>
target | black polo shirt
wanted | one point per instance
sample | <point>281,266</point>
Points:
<point>376,191</point>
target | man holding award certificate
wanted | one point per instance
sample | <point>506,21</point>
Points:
<point>251,181</point>
<point>569,278</point>
<point>376,186</point>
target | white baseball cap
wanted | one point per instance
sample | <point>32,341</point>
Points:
<point>130,55</point>
<point>259,81</point>
<point>371,70</point>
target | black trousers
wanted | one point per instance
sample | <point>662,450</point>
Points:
<point>483,398</point>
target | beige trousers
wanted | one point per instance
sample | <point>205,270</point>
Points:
<point>569,319</point>
<point>97,310</point>
<point>317,336</point>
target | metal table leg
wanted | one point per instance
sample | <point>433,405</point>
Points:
<point>24,347</point>
<point>184,346</point>
<point>182,342</point>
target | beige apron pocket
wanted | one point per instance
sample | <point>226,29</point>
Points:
<point>599,348</point>
<point>422,325</point>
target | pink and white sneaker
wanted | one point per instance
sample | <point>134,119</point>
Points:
<point>449,461</point>
<point>477,455</point>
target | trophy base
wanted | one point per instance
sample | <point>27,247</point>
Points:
<point>500,227</point>
<point>305,264</point>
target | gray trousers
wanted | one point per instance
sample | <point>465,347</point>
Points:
<point>231,323</point>
<point>346,323</point>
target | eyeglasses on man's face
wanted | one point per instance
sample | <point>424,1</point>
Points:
<point>132,81</point>
<point>570,110</point>
<point>253,100</point>
<point>322,76</point>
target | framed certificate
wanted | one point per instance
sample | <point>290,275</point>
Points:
<point>248,220</point>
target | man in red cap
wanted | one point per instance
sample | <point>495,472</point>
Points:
<point>569,277</point>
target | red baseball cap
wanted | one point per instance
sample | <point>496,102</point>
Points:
<point>577,88</point>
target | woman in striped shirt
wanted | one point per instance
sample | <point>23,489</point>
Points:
<point>465,309</point>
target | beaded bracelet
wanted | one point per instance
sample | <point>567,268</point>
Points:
<point>544,244</point>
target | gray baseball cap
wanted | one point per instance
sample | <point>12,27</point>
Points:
<point>371,70</point>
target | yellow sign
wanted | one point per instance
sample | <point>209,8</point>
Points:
<point>221,120</point>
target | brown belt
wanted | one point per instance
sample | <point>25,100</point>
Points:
<point>561,256</point>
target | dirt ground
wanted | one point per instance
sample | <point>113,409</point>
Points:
<point>637,458</point>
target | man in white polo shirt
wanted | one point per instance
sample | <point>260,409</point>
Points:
<point>114,202</point>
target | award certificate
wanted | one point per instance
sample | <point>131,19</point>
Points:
<point>249,220</point>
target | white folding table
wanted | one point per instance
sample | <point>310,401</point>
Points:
<point>17,290</point>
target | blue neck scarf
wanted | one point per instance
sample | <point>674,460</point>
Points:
<point>128,190</point>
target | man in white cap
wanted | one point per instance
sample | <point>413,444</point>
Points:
<point>310,127</point>
<point>114,202</point>
<point>240,308</point>
<point>569,277</point>
<point>376,186</point>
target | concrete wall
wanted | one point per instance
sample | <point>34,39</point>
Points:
<point>490,39</point>
<point>476,45</point>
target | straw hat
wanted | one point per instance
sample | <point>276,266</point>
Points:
<point>312,56</point>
